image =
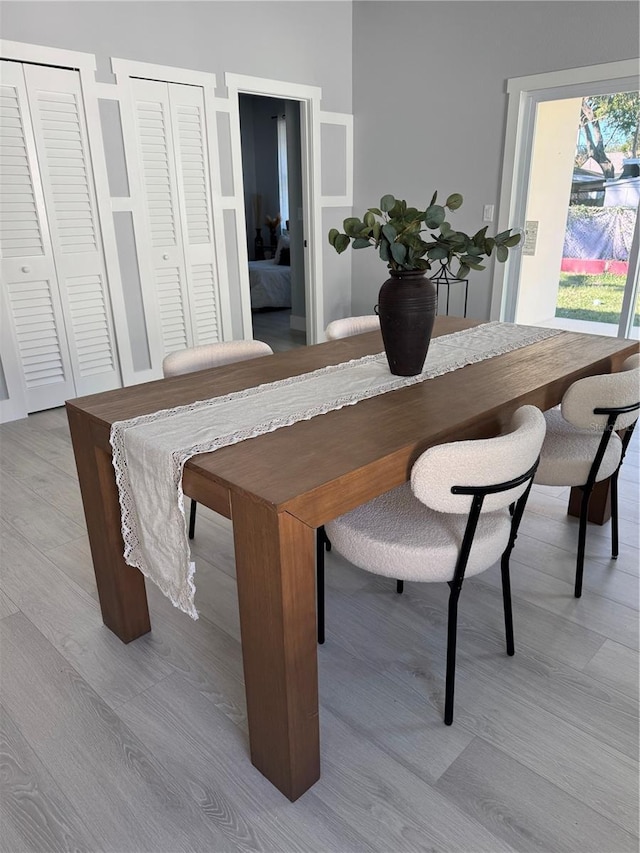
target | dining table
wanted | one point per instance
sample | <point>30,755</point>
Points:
<point>280,487</point>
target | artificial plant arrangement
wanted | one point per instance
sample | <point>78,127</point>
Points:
<point>395,230</point>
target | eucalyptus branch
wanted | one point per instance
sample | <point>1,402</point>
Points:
<point>394,231</point>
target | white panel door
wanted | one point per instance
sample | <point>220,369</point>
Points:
<point>194,195</point>
<point>55,100</point>
<point>156,158</point>
<point>173,158</point>
<point>35,345</point>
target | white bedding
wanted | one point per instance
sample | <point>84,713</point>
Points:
<point>270,285</point>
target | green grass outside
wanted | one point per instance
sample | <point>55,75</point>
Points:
<point>597,298</point>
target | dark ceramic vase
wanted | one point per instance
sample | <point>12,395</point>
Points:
<point>407,307</point>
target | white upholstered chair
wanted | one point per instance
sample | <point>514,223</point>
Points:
<point>344,328</point>
<point>348,326</point>
<point>582,446</point>
<point>451,521</point>
<point>210,355</point>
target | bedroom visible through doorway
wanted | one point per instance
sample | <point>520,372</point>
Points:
<point>272,176</point>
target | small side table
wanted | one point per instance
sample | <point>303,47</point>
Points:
<point>444,277</point>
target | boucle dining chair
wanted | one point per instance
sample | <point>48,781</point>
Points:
<point>582,445</point>
<point>458,515</point>
<point>348,326</point>
<point>210,355</point>
<point>345,328</point>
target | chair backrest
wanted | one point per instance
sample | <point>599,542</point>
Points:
<point>348,326</point>
<point>212,355</point>
<point>608,391</point>
<point>481,463</point>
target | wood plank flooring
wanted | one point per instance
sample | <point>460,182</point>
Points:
<point>273,327</point>
<point>107,747</point>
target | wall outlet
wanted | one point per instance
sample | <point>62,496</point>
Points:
<point>530,237</point>
<point>487,213</point>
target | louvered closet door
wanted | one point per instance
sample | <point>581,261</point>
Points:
<point>55,100</point>
<point>160,186</point>
<point>37,342</point>
<point>194,194</point>
<point>173,156</point>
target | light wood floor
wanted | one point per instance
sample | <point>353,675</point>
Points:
<point>107,747</point>
<point>273,327</point>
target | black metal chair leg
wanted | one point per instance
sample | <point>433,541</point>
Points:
<point>399,587</point>
<point>582,537</point>
<point>192,519</point>
<point>324,538</point>
<point>506,598</point>
<point>451,652</point>
<point>320,544</point>
<point>614,516</point>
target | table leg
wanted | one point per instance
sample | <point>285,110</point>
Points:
<point>121,590</point>
<point>275,567</point>
<point>599,504</point>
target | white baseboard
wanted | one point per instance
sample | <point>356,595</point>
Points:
<point>298,324</point>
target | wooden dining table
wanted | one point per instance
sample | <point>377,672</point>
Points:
<point>278,488</point>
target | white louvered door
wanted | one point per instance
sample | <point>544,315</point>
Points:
<point>35,345</point>
<point>194,194</point>
<point>55,99</point>
<point>172,153</point>
<point>53,276</point>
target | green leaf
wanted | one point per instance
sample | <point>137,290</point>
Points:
<point>341,243</point>
<point>454,201</point>
<point>352,226</point>
<point>433,198</point>
<point>389,232</point>
<point>502,236</point>
<point>332,236</point>
<point>412,213</point>
<point>502,253</point>
<point>512,241</point>
<point>361,243</point>
<point>377,228</point>
<point>398,252</point>
<point>385,254</point>
<point>434,216</point>
<point>470,262</point>
<point>438,253</point>
<point>369,219</point>
<point>387,202</point>
<point>463,272</point>
<point>375,210</point>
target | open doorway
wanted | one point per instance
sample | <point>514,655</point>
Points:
<point>272,176</point>
<point>577,271</point>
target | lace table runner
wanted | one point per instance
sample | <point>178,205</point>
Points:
<point>149,452</point>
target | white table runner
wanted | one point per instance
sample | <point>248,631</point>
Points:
<point>149,452</point>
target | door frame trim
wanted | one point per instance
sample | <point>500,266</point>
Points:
<point>309,99</point>
<point>524,93</point>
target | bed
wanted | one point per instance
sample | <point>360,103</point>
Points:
<point>270,284</point>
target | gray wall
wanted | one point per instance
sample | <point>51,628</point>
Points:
<point>428,82</point>
<point>300,42</point>
<point>430,105</point>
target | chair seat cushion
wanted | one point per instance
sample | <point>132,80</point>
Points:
<point>398,536</point>
<point>567,453</point>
